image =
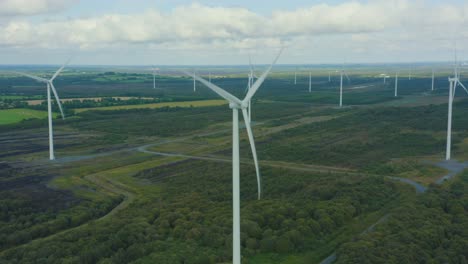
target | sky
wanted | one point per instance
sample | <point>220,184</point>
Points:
<point>223,32</point>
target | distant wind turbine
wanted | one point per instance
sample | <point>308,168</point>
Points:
<point>432,80</point>
<point>295,76</point>
<point>50,86</point>
<point>341,84</point>
<point>385,78</point>
<point>154,77</point>
<point>236,104</point>
<point>194,82</point>
<point>310,82</point>
<point>396,84</point>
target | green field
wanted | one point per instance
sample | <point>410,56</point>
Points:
<point>200,103</point>
<point>11,116</point>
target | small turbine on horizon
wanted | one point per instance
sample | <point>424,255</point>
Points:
<point>433,75</point>
<point>295,76</point>
<point>310,81</point>
<point>194,82</point>
<point>342,72</point>
<point>154,70</point>
<point>396,84</point>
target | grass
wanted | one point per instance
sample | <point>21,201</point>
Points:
<point>11,116</point>
<point>200,103</point>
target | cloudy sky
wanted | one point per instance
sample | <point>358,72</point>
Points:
<point>168,32</point>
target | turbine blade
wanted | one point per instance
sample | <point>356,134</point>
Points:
<point>39,79</point>
<point>248,85</point>
<point>57,99</point>
<point>252,68</point>
<point>260,80</point>
<point>229,97</point>
<point>59,70</point>
<point>461,84</point>
<point>254,150</point>
<point>347,77</point>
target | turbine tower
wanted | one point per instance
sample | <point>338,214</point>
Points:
<point>295,76</point>
<point>454,82</point>
<point>432,80</point>
<point>396,84</point>
<point>194,82</point>
<point>236,104</point>
<point>154,77</point>
<point>50,86</point>
<point>310,82</point>
<point>341,84</point>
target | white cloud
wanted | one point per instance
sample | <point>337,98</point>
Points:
<point>32,7</point>
<point>389,24</point>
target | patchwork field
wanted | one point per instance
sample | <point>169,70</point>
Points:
<point>11,116</point>
<point>201,103</point>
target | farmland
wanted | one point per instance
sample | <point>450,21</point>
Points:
<point>138,181</point>
<point>11,116</point>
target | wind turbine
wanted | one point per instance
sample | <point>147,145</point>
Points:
<point>432,79</point>
<point>310,81</point>
<point>50,86</point>
<point>396,84</point>
<point>341,84</point>
<point>154,77</point>
<point>236,104</point>
<point>452,88</point>
<point>295,76</point>
<point>194,82</point>
<point>385,76</point>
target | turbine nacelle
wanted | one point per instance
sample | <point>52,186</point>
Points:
<point>243,105</point>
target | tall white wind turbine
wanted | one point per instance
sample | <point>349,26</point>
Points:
<point>454,82</point>
<point>50,86</point>
<point>236,104</point>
